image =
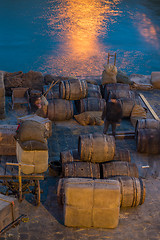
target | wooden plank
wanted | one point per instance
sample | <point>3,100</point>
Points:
<point>149,107</point>
<point>30,177</point>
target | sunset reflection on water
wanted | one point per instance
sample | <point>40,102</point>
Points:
<point>82,23</point>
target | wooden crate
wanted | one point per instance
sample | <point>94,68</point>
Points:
<point>9,210</point>
<point>7,141</point>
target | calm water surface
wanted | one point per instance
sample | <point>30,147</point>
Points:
<point>73,37</point>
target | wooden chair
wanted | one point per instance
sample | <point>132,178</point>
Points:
<point>20,96</point>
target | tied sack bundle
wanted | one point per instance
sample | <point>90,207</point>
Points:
<point>31,147</point>
<point>109,74</point>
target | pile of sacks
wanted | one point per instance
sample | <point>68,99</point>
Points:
<point>32,147</point>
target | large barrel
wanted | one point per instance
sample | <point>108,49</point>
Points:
<point>147,123</point>
<point>90,104</point>
<point>53,93</point>
<point>119,168</point>
<point>132,191</point>
<point>127,106</point>
<point>81,169</point>
<point>96,147</point>
<point>94,91</point>
<point>60,109</point>
<point>148,141</point>
<point>113,87</point>
<point>73,89</point>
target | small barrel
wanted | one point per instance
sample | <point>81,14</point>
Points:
<point>73,89</point>
<point>127,106</point>
<point>96,147</point>
<point>147,123</point>
<point>34,94</point>
<point>113,87</point>
<point>90,104</point>
<point>60,109</point>
<point>122,155</point>
<point>69,156</point>
<point>132,191</point>
<point>119,168</point>
<point>94,91</point>
<point>82,169</point>
<point>55,168</point>
<point>148,141</point>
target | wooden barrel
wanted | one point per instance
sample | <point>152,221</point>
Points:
<point>119,168</point>
<point>96,147</point>
<point>114,86</point>
<point>94,91</point>
<point>147,123</point>
<point>122,155</point>
<point>82,169</point>
<point>148,141</point>
<point>53,93</point>
<point>127,106</point>
<point>73,89</point>
<point>132,191</point>
<point>60,109</point>
<point>122,93</point>
<point>55,168</point>
<point>69,156</point>
<point>90,104</point>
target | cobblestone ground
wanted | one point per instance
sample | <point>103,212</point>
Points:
<point>46,221</point>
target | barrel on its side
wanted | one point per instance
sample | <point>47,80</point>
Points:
<point>127,106</point>
<point>119,168</point>
<point>147,123</point>
<point>53,93</point>
<point>132,191</point>
<point>122,93</point>
<point>114,86</point>
<point>73,89</point>
<point>60,109</point>
<point>148,141</point>
<point>69,156</point>
<point>94,91</point>
<point>122,155</point>
<point>81,169</point>
<point>90,104</point>
<point>96,147</point>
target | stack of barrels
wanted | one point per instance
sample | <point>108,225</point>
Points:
<point>75,96</point>
<point>123,93</point>
<point>98,158</point>
<point>147,132</point>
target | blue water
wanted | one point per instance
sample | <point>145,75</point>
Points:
<point>73,37</point>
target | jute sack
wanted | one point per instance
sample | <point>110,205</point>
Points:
<point>109,74</point>
<point>155,79</point>
<point>90,118</point>
<point>137,113</point>
<point>31,130</point>
<point>33,145</point>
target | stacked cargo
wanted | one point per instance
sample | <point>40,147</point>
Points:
<point>7,140</point>
<point>92,170</point>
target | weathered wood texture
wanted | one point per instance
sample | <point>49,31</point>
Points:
<point>8,210</point>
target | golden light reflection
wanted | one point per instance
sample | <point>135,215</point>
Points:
<point>81,23</point>
<point>148,30</point>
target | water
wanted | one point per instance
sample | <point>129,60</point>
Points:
<point>73,37</point>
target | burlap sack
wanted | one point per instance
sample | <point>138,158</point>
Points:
<point>31,130</point>
<point>33,145</point>
<point>137,113</point>
<point>155,79</point>
<point>109,74</point>
<point>90,118</point>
